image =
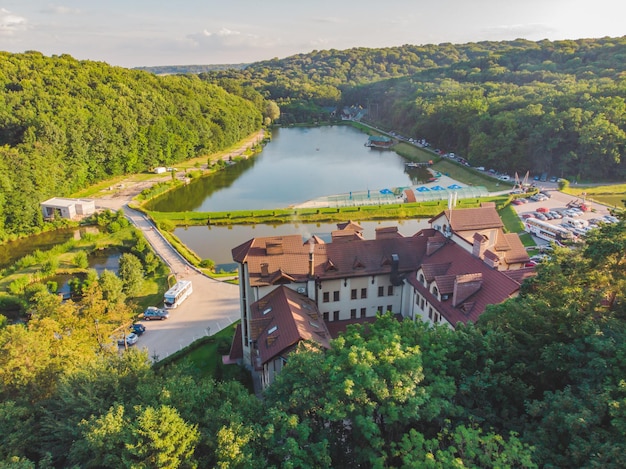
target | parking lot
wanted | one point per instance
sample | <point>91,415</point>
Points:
<point>558,202</point>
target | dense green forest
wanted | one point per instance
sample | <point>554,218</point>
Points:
<point>539,381</point>
<point>547,106</point>
<point>65,124</point>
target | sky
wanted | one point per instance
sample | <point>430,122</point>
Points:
<point>135,33</point>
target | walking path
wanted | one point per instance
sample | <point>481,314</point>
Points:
<point>213,305</point>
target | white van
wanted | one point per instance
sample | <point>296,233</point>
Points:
<point>572,222</point>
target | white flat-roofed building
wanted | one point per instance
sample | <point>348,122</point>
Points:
<point>68,208</point>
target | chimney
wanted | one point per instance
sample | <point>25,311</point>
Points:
<point>465,286</point>
<point>265,272</point>
<point>311,263</point>
<point>433,243</point>
<point>479,245</point>
<point>395,278</point>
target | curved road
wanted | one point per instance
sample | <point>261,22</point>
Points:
<point>213,305</point>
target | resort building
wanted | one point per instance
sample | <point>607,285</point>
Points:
<point>294,290</point>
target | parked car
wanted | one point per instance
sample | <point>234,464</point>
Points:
<point>152,312</point>
<point>555,215</point>
<point>553,179</point>
<point>540,216</point>
<point>546,194</point>
<point>543,210</point>
<point>517,202</point>
<point>138,329</point>
<point>130,339</point>
<point>611,218</point>
<point>528,215</point>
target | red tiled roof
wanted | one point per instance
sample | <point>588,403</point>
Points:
<point>331,260</point>
<point>471,219</point>
<point>289,318</point>
<point>517,252</point>
<point>496,285</point>
<point>519,275</point>
<point>349,225</point>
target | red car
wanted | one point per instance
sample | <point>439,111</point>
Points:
<point>543,210</point>
<point>528,215</point>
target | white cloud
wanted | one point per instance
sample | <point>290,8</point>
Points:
<point>60,10</point>
<point>229,39</point>
<point>10,23</point>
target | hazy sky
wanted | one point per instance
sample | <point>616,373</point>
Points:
<point>177,32</point>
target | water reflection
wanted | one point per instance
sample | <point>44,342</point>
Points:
<point>298,165</point>
<point>14,250</point>
<point>216,242</point>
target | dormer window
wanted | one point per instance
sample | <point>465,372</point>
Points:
<point>435,291</point>
<point>421,279</point>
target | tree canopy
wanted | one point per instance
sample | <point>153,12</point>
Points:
<point>66,124</point>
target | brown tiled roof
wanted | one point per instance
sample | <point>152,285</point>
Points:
<point>315,240</point>
<point>387,232</point>
<point>345,236</point>
<point>519,275</point>
<point>496,285</point>
<point>471,219</point>
<point>331,260</point>
<point>433,270</point>
<point>445,283</point>
<point>292,318</point>
<point>350,226</point>
<point>517,252</point>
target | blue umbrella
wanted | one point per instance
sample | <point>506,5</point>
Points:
<point>437,188</point>
<point>422,189</point>
<point>454,186</point>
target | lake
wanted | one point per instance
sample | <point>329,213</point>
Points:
<point>299,164</point>
<point>216,242</point>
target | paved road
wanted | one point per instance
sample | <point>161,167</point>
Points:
<point>213,306</point>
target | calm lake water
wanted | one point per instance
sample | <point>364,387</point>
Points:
<point>216,242</point>
<point>14,250</point>
<point>299,164</point>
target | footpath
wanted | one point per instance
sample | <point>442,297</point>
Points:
<point>213,306</point>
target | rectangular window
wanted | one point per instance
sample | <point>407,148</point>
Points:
<point>326,297</point>
<point>381,291</point>
<point>390,290</point>
<point>363,292</point>
<point>336,295</point>
<point>363,312</point>
<point>380,309</point>
<point>430,314</point>
<point>353,313</point>
<point>353,294</point>
<point>422,304</point>
<point>326,316</point>
<point>335,315</point>
<point>390,308</point>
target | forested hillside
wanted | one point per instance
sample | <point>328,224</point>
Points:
<point>538,382</point>
<point>65,124</point>
<point>545,106</point>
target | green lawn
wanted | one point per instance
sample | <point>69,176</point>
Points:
<point>204,356</point>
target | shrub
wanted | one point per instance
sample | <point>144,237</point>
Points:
<point>80,260</point>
